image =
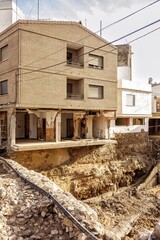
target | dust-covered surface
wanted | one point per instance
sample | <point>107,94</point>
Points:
<point>121,206</point>
<point>92,171</point>
<point>107,177</point>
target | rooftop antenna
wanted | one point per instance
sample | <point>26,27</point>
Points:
<point>85,22</point>
<point>38,9</point>
<point>101,28</point>
<point>16,10</point>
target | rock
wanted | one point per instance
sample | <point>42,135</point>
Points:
<point>43,214</point>
<point>27,233</point>
<point>13,237</point>
<point>82,236</point>
<point>157,230</point>
<point>54,232</point>
<point>12,220</point>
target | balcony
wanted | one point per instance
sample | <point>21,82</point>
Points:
<point>75,96</point>
<point>75,57</point>
<point>75,89</point>
<point>74,64</point>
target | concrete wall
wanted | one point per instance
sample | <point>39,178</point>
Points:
<point>41,160</point>
<point>129,129</point>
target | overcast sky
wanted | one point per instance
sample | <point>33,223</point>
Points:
<point>146,57</point>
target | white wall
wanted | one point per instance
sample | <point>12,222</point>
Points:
<point>127,129</point>
<point>10,15</point>
<point>124,72</point>
<point>143,98</point>
<point>155,93</point>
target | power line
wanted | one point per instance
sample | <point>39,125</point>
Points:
<point>58,72</point>
<point>109,43</point>
<point>144,35</point>
<point>107,25</point>
<point>129,15</point>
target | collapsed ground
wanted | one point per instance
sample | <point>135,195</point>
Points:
<point>107,177</point>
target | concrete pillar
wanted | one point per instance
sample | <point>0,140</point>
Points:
<point>58,128</point>
<point>77,121</point>
<point>130,121</point>
<point>89,127</point>
<point>13,129</point>
<point>106,128</point>
<point>50,116</point>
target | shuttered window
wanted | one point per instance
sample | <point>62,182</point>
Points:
<point>95,61</point>
<point>130,100</point>
<point>4,53</point>
<point>95,91</point>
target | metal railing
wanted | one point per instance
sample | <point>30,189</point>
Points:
<point>75,96</point>
<point>75,64</point>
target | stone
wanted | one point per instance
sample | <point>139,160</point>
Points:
<point>54,232</point>
<point>12,220</point>
<point>43,214</point>
<point>157,230</point>
<point>13,237</point>
<point>27,233</point>
<point>82,236</point>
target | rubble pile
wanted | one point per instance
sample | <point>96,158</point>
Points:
<point>25,213</point>
<point>125,204</point>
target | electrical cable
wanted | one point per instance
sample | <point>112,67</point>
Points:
<point>129,15</point>
<point>102,55</point>
<point>109,43</point>
<point>109,25</point>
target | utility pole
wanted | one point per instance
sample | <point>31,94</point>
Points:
<point>38,9</point>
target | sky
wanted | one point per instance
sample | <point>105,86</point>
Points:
<point>146,51</point>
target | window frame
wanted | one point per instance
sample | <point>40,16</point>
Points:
<point>96,86</point>
<point>133,100</point>
<point>1,88</point>
<point>1,53</point>
<point>94,56</point>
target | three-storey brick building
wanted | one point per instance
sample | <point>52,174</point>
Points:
<point>58,81</point>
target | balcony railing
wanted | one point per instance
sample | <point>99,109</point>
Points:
<point>75,96</point>
<point>75,64</point>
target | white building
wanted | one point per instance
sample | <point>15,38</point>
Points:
<point>9,13</point>
<point>154,122</point>
<point>134,100</point>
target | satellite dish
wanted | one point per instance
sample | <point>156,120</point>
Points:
<point>150,80</point>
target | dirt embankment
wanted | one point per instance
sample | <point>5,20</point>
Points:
<point>105,177</point>
<point>92,171</point>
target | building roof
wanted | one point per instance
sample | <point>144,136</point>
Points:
<point>45,22</point>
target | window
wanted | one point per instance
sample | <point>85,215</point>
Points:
<point>95,91</point>
<point>69,58</point>
<point>95,61</point>
<point>130,100</point>
<point>138,121</point>
<point>122,122</point>
<point>4,53</point>
<point>3,87</point>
